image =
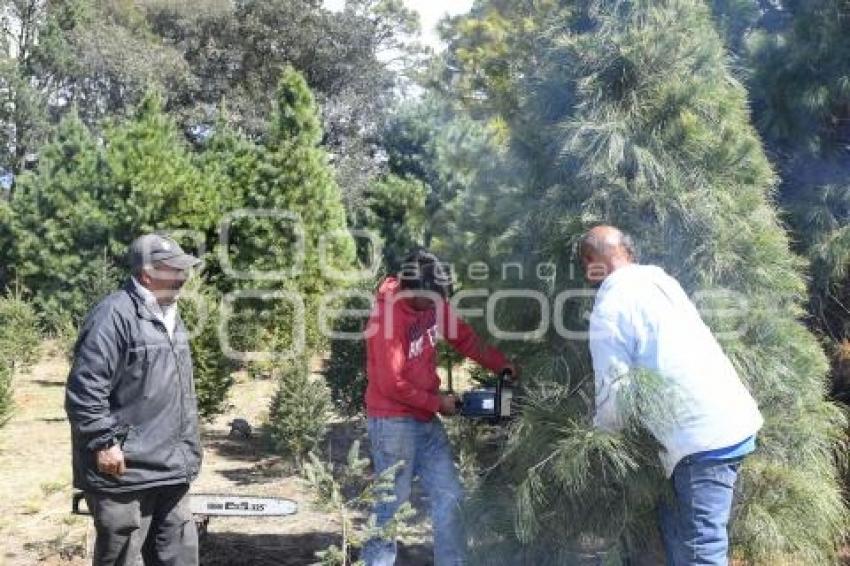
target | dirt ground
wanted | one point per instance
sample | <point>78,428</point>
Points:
<point>36,524</point>
<point>37,527</point>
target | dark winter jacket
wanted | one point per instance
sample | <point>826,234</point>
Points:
<point>132,384</point>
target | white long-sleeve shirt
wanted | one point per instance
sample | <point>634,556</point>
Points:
<point>643,320</point>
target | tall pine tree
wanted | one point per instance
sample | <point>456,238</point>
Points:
<point>69,222</point>
<point>292,222</point>
<point>796,61</point>
<point>59,224</point>
<point>72,219</point>
<point>629,116</point>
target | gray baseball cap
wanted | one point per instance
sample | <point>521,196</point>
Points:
<point>152,248</point>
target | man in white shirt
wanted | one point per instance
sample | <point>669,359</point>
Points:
<point>642,321</point>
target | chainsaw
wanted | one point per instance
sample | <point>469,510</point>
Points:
<point>204,506</point>
<point>490,403</point>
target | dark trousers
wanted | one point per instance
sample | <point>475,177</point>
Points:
<point>153,527</point>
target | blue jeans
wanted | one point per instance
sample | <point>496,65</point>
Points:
<point>694,526</point>
<point>425,450</point>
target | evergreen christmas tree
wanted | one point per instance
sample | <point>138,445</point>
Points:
<point>294,223</point>
<point>626,113</point>
<point>345,369</point>
<point>19,347</point>
<point>58,224</point>
<point>72,218</point>
<point>70,222</point>
<point>155,182</point>
<point>299,412</point>
<point>291,237</point>
<point>796,62</point>
<point>212,370</point>
<point>7,403</point>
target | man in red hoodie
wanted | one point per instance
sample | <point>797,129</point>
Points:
<point>403,398</point>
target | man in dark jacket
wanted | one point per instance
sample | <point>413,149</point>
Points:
<point>131,402</point>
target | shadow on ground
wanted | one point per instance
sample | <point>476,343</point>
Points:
<point>252,462</point>
<point>261,465</point>
<point>264,465</point>
<point>341,435</point>
<point>238,549</point>
<point>48,383</point>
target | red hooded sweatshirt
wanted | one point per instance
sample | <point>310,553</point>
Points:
<point>401,354</point>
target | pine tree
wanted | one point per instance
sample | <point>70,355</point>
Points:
<point>631,117</point>
<point>7,403</point>
<point>288,174</point>
<point>795,61</point>
<point>292,223</point>
<point>19,345</point>
<point>155,183</point>
<point>71,221</point>
<point>19,331</point>
<point>794,58</point>
<point>299,412</point>
<point>800,80</point>
<point>235,161</point>
<point>345,369</point>
<point>59,224</point>
<point>397,214</point>
<point>87,200</point>
<point>306,185</point>
<point>430,143</point>
<point>213,371</point>
<point>348,491</point>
